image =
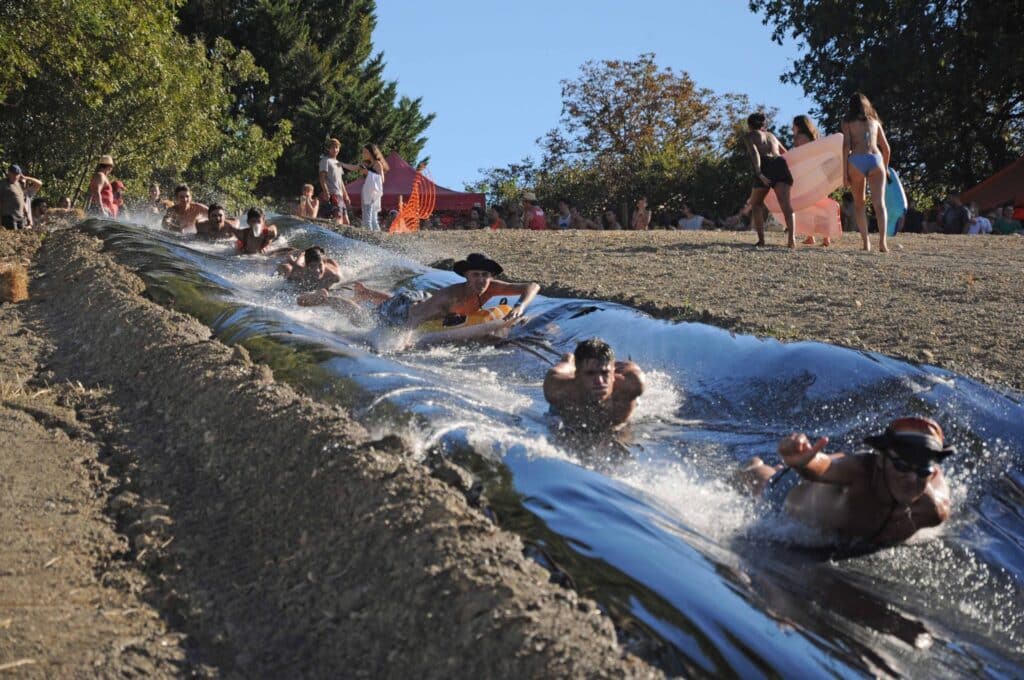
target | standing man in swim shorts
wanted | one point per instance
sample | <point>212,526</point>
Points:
<point>880,498</point>
<point>771,173</point>
<point>591,391</point>
<point>334,199</point>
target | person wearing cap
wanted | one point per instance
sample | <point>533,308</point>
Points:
<point>183,213</point>
<point>117,201</point>
<point>590,391</point>
<point>533,214</point>
<point>101,192</point>
<point>12,200</point>
<point>880,497</point>
<point>256,237</point>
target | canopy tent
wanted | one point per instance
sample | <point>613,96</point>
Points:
<point>1006,186</point>
<point>398,182</point>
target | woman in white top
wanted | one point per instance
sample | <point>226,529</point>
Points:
<point>374,166</point>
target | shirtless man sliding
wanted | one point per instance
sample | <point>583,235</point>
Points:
<point>880,498</point>
<point>771,173</point>
<point>313,273</point>
<point>591,391</point>
<point>184,214</point>
<point>217,224</point>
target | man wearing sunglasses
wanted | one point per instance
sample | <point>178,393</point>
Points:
<point>880,497</point>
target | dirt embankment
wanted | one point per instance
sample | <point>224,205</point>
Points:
<point>275,539</point>
<point>951,301</point>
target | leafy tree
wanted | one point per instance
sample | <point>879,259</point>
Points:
<point>119,79</point>
<point>323,78</point>
<point>629,128</point>
<point>947,77</point>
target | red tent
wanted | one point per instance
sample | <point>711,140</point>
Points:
<point>398,182</point>
<point>1006,186</point>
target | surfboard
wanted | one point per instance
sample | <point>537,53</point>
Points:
<point>895,201</point>
<point>817,170</point>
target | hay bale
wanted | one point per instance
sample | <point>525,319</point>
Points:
<point>13,283</point>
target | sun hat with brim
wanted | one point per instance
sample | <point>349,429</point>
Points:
<point>105,159</point>
<point>477,262</point>
<point>918,441</point>
<point>530,196</point>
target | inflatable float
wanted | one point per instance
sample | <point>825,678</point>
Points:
<point>895,202</point>
<point>484,322</point>
<point>820,219</point>
<point>817,170</point>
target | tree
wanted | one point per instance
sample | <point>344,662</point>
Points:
<point>629,128</point>
<point>947,77</point>
<point>323,79</point>
<point>131,86</point>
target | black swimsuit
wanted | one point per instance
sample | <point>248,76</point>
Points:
<point>776,170</point>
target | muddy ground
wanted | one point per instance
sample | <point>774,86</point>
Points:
<point>951,301</point>
<point>176,512</point>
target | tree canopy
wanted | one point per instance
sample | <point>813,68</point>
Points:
<point>946,76</point>
<point>631,129</point>
<point>115,77</point>
<point>323,79</point>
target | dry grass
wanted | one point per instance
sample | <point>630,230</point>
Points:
<point>13,283</point>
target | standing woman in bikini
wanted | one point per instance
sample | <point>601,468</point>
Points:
<point>805,132</point>
<point>867,162</point>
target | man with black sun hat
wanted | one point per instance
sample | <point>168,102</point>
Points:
<point>879,497</point>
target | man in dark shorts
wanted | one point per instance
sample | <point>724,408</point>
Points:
<point>879,498</point>
<point>771,173</point>
<point>590,391</point>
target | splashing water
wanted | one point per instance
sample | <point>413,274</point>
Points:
<point>698,578</point>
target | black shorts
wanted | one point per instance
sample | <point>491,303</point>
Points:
<point>776,170</point>
<point>12,222</point>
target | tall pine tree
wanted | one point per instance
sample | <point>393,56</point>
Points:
<point>323,78</point>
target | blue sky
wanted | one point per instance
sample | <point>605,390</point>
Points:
<point>491,70</point>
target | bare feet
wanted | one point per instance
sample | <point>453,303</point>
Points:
<point>883,247</point>
<point>809,241</point>
<point>826,242</point>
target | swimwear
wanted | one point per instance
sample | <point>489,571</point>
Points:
<point>776,170</point>
<point>778,487</point>
<point>395,311</point>
<point>866,162</point>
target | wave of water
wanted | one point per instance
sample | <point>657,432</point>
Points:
<point>698,578</point>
